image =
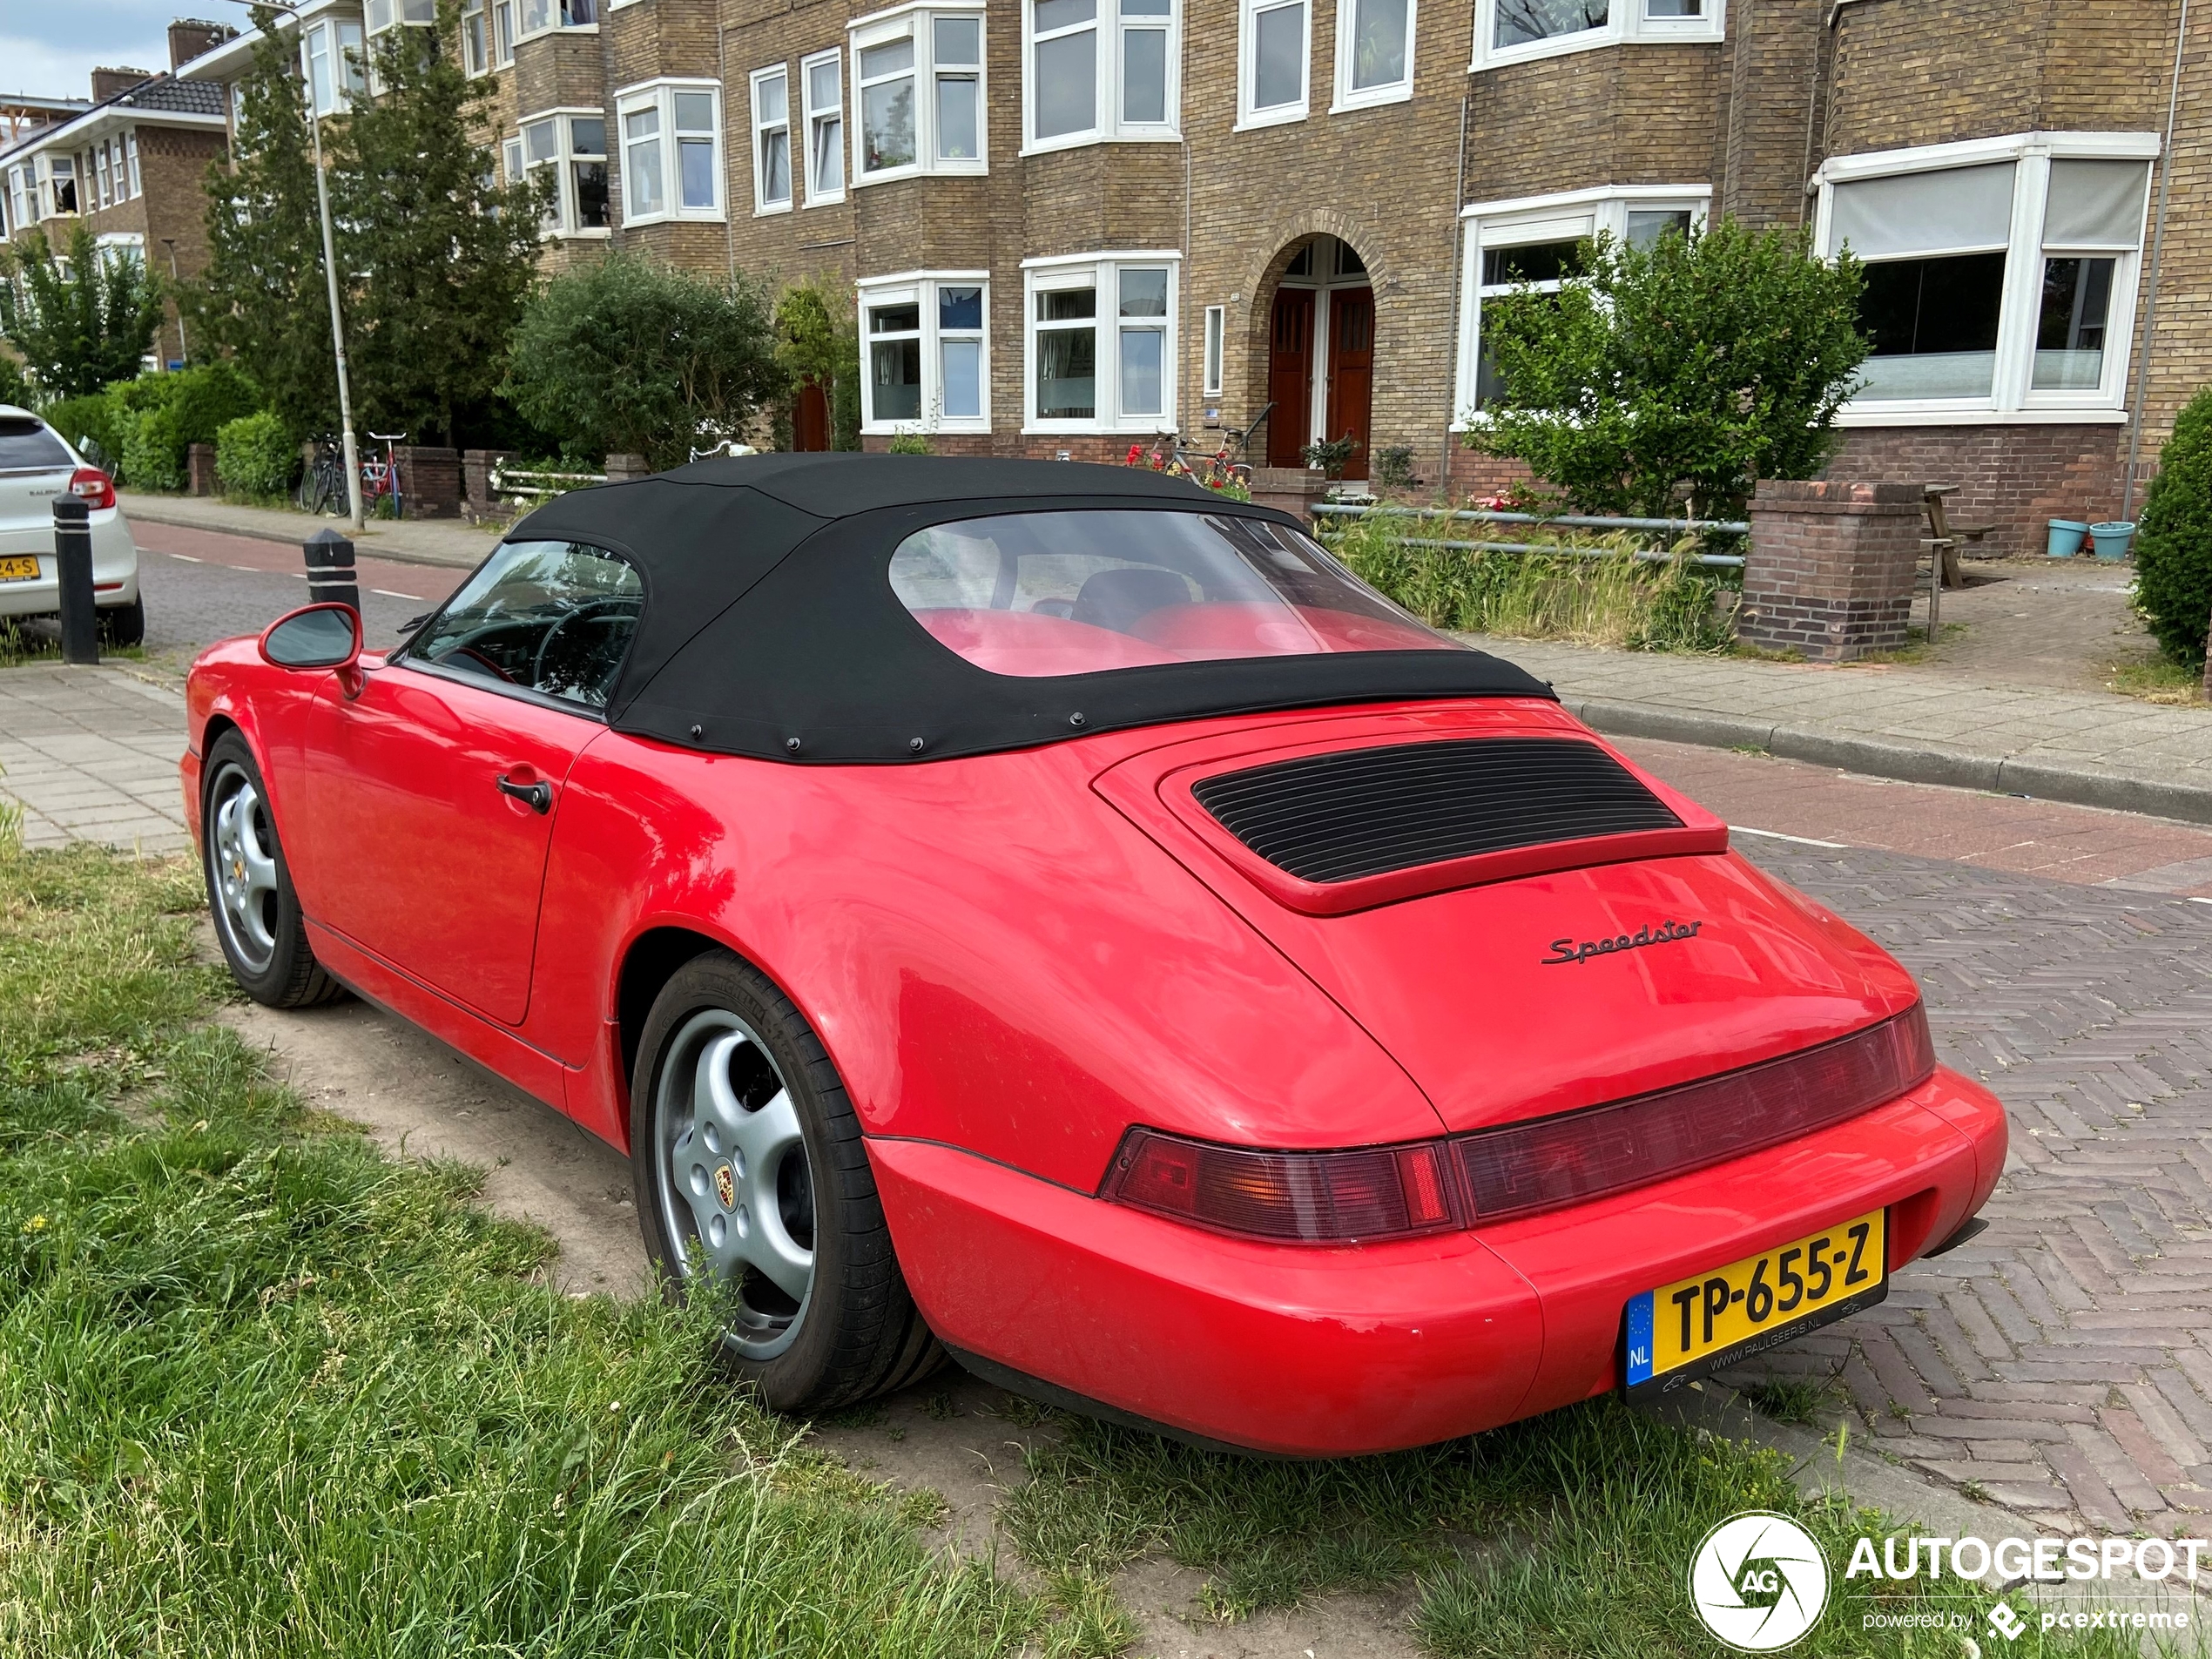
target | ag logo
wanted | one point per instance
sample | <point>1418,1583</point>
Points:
<point>1759,1581</point>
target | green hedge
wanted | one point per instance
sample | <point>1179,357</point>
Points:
<point>160,417</point>
<point>254,455</point>
<point>2173,546</point>
<point>79,418</point>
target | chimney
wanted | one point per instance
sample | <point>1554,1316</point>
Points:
<point>190,37</point>
<point>107,83</point>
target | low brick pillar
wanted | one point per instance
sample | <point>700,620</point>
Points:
<point>622,469</point>
<point>200,468</point>
<point>476,479</point>
<point>1829,569</point>
<point>430,480</point>
<point>1294,489</point>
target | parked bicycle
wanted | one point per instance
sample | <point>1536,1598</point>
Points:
<point>322,486</point>
<point>381,479</point>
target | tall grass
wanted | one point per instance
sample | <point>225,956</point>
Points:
<point>1608,598</point>
<point>263,1391</point>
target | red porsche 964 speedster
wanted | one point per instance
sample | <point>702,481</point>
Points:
<point>1054,916</point>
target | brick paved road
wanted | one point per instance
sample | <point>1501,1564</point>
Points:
<point>2063,1360</point>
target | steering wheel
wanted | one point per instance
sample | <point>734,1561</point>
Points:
<point>590,608</point>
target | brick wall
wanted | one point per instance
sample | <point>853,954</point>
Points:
<point>1830,570</point>
<point>2016,477</point>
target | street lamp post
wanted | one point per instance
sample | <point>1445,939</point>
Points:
<point>337,330</point>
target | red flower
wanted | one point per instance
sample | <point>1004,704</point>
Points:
<point>1135,455</point>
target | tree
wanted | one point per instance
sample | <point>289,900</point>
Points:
<point>819,339</point>
<point>2173,546</point>
<point>1700,363</point>
<point>261,297</point>
<point>630,357</point>
<point>13,387</point>
<point>79,321</point>
<point>450,255</point>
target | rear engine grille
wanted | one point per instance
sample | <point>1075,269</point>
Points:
<point>1366,812</point>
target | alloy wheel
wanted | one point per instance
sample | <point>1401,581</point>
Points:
<point>241,855</point>
<point>735,1189</point>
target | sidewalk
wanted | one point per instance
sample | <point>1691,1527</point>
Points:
<point>90,754</point>
<point>448,542</point>
<point>1922,725</point>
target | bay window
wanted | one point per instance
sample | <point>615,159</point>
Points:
<point>2001,274</point>
<point>1508,32</point>
<point>772,140</point>
<point>918,94</point>
<point>131,159</point>
<point>1274,44</point>
<point>926,353</point>
<point>671,149</point>
<point>381,14</point>
<point>1534,244</point>
<point>1101,71</point>
<point>475,37</point>
<point>538,16</point>
<point>823,76</point>
<point>61,185</point>
<point>333,64</point>
<point>569,147</point>
<point>1374,52</point>
<point>1100,333</point>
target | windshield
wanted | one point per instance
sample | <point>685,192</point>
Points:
<point>1040,594</point>
<point>26,445</point>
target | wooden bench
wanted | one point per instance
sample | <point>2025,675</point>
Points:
<point>1942,542</point>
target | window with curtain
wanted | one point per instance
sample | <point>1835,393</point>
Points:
<point>927,353</point>
<point>823,76</point>
<point>671,147</point>
<point>1102,344</point>
<point>921,81</point>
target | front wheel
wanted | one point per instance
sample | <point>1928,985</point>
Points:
<point>257,914</point>
<point>754,1186</point>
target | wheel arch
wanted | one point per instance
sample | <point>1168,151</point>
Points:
<point>648,962</point>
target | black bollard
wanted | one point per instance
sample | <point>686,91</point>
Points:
<point>331,576</point>
<point>73,566</point>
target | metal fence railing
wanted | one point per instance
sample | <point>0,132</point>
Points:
<point>1570,520</point>
<point>530,483</point>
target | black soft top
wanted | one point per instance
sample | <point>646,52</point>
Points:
<point>770,627</point>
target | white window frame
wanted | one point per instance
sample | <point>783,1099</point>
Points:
<point>131,161</point>
<point>917,22</point>
<point>23,198</point>
<point>113,247</point>
<point>813,114</point>
<point>2012,400</point>
<point>555,24</point>
<point>562,161</point>
<point>1103,272</point>
<point>506,19</point>
<point>1107,125</point>
<point>395,14</point>
<point>761,130</point>
<point>475,54</point>
<point>1523,220</point>
<point>1214,351</point>
<point>1627,20</point>
<point>1248,115</point>
<point>51,168</point>
<point>920,288</point>
<point>1349,97</point>
<point>661,95</point>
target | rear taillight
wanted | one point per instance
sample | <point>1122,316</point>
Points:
<point>92,487</point>
<point>1311,1197</point>
<point>1397,1191</point>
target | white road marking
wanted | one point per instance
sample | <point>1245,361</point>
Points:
<point>2197,900</point>
<point>187,559</point>
<point>388,594</point>
<point>1777,835</point>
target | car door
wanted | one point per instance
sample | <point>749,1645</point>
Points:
<point>432,794</point>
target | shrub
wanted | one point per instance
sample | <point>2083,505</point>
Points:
<point>159,416</point>
<point>1394,466</point>
<point>14,388</point>
<point>254,455</point>
<point>2173,547</point>
<point>1697,365</point>
<point>910,440</point>
<point>90,423</point>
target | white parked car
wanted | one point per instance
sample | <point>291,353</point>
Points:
<point>37,465</point>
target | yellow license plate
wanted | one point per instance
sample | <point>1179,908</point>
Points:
<point>1718,1319</point>
<point>22,567</point>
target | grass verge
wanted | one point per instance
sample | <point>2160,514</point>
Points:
<point>1566,1537</point>
<point>263,1391</point>
<point>2158,679</point>
<point>1613,600</point>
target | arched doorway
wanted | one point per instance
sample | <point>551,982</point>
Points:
<point>1321,355</point>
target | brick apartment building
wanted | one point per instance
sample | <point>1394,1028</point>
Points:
<point>1072,224</point>
<point>131,167</point>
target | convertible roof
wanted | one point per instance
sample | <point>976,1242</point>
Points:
<point>770,628</point>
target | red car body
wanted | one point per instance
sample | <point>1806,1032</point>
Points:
<point>1014,958</point>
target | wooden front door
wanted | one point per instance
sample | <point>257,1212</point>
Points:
<point>810,418</point>
<point>1352,371</point>
<point>1289,376</point>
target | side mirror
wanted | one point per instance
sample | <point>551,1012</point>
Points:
<point>327,636</point>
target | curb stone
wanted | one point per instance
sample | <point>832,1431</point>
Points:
<point>369,541</point>
<point>1911,763</point>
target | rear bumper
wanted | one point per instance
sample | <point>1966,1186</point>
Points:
<point>114,568</point>
<point>1328,1351</point>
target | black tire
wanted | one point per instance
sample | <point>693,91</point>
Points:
<point>249,886</point>
<point>855,1330</point>
<point>122,625</point>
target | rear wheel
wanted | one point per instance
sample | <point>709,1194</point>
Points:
<point>124,624</point>
<point>257,914</point>
<point>754,1186</point>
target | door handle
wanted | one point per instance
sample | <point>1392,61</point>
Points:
<point>538,797</point>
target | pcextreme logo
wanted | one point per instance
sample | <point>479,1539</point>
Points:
<point>1759,1581</point>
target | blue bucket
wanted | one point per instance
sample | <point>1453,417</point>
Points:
<point>2112,538</point>
<point>2067,537</point>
